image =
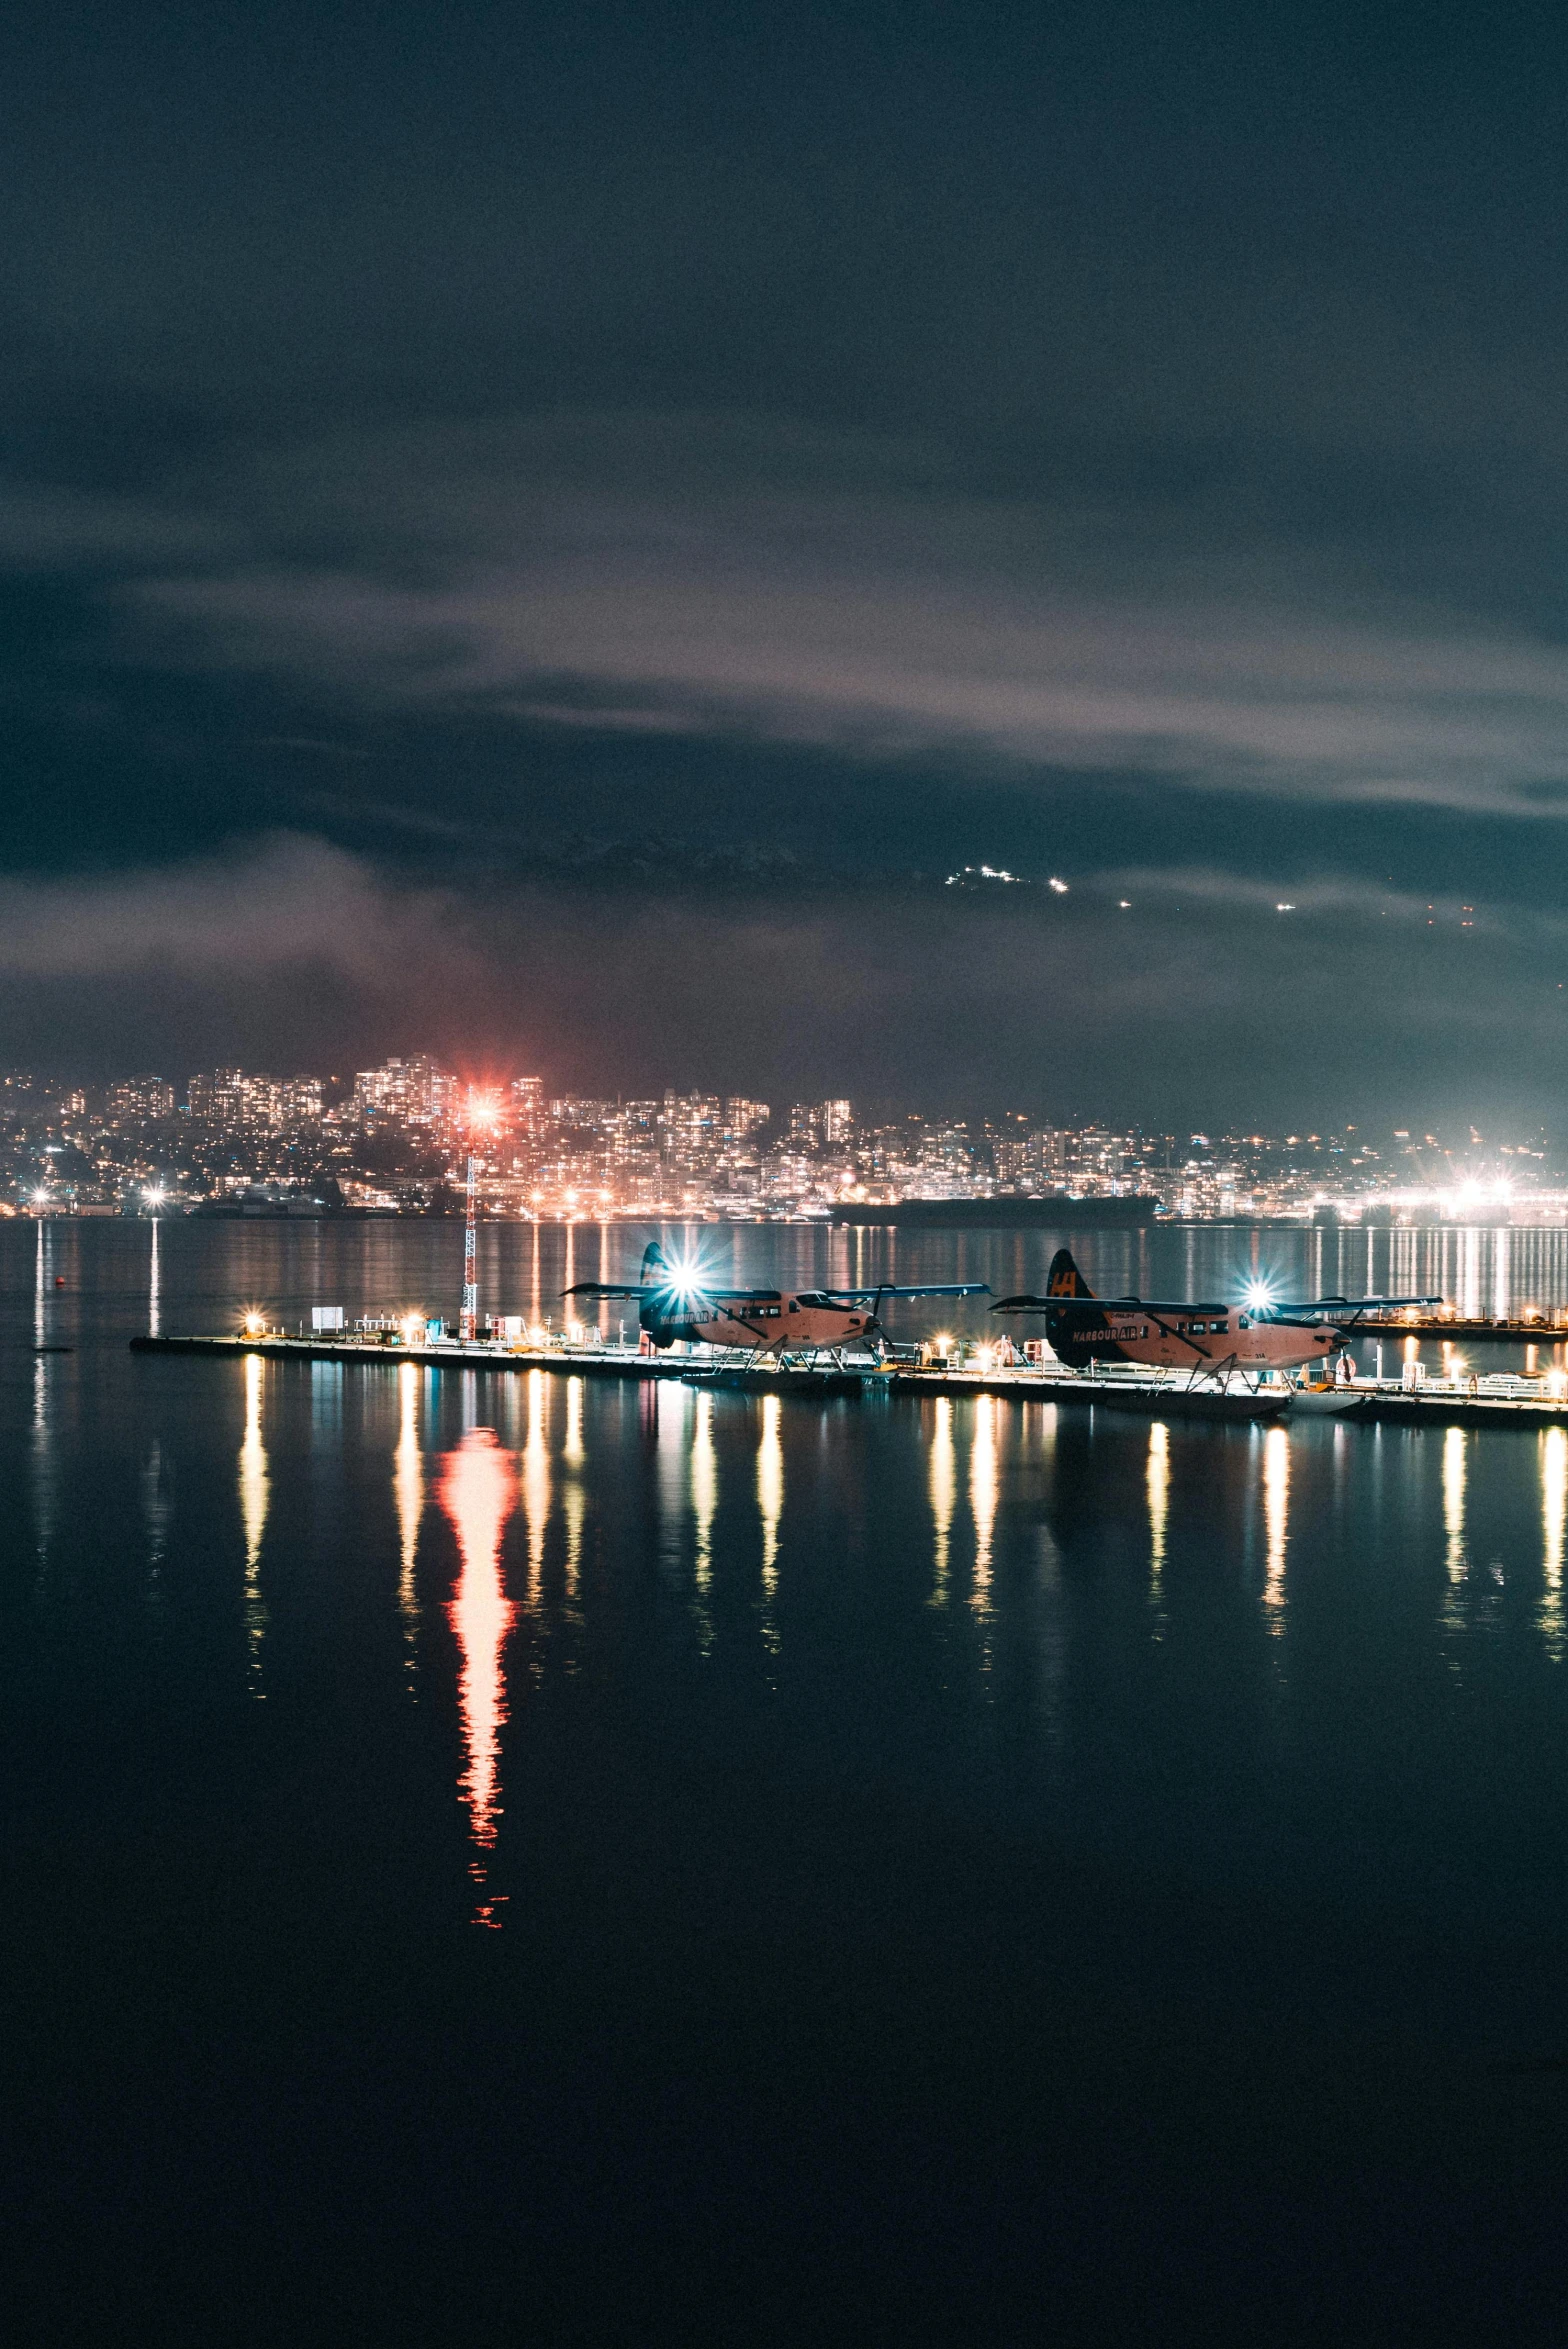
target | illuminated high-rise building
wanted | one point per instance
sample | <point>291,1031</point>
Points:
<point>743,1119</point>
<point>300,1102</point>
<point>228,1098</point>
<point>138,1099</point>
<point>416,1091</point>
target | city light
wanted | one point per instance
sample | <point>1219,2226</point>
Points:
<point>412,1137</point>
<point>412,1327</point>
<point>254,1323</point>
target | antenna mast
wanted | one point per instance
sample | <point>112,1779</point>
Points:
<point>468,1325</point>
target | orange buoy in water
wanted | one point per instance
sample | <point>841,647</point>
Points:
<point>59,1280</point>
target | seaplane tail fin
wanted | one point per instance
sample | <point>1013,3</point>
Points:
<point>654,1261</point>
<point>1064,1279</point>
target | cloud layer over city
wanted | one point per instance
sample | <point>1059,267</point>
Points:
<point>596,647</point>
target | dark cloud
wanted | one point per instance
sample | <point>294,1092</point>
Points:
<point>703,480</point>
<point>297,954</point>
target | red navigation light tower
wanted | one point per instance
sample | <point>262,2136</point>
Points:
<point>481,1118</point>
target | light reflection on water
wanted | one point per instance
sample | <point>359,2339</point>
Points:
<point>536,1478</point>
<point>408,1480</point>
<point>983,1494</point>
<point>704,1489</point>
<point>1454,1464</point>
<point>1276,1524</point>
<point>255,1489</point>
<point>1554,1534</point>
<point>573,1496</point>
<point>1157,1480</point>
<point>477,1492</point>
<point>282,1509</point>
<point>943,1486</point>
<point>770,1508</point>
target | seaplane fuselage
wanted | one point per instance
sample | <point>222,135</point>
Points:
<point>675,1305</point>
<point>1187,1337</point>
<point>1206,1339</point>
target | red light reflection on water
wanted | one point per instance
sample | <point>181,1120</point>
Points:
<point>478,1492</point>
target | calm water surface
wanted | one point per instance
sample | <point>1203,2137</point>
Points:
<point>513,1852</point>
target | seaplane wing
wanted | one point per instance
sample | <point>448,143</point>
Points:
<point>1095,1308</point>
<point>668,1287</point>
<point>1330,1308</point>
<point>891,1289</point>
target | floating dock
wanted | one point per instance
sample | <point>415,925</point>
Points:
<point>1156,1396</point>
<point>1499,1332</point>
<point>1468,1402</point>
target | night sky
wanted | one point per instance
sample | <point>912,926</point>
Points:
<point>545,534</point>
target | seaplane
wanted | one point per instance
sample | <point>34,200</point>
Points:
<point>1206,1339</point>
<point>675,1301</point>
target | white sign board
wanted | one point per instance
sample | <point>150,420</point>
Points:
<point>326,1317</point>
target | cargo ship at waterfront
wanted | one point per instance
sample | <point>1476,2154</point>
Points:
<point>1055,1212</point>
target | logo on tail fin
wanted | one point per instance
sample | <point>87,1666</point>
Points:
<point>1064,1279</point>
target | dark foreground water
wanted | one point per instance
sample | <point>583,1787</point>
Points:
<point>495,1857</point>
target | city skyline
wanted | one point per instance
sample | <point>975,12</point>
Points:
<point>397,1138</point>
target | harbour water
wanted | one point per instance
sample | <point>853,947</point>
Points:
<point>580,1862</point>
